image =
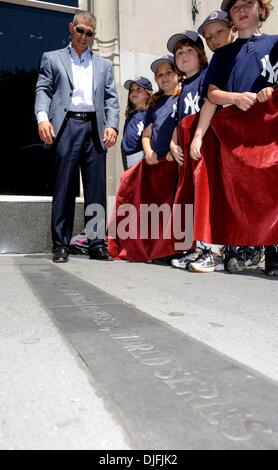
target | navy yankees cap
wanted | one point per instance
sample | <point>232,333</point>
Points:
<point>142,82</point>
<point>226,4</point>
<point>185,35</point>
<point>217,16</point>
<point>169,59</point>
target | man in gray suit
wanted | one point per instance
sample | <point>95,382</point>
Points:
<point>77,110</point>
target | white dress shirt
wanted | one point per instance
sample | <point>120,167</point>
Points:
<point>82,99</point>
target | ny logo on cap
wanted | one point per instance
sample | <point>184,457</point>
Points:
<point>213,15</point>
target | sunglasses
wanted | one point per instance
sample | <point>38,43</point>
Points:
<point>82,31</point>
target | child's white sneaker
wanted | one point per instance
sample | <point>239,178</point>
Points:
<point>207,263</point>
<point>187,258</point>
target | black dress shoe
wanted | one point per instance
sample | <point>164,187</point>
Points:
<point>60,255</point>
<point>101,253</point>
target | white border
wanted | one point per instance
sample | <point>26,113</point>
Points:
<point>43,5</point>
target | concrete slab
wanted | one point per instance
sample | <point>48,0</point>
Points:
<point>25,223</point>
<point>173,392</point>
<point>48,401</point>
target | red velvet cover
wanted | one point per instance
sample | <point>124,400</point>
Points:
<point>234,186</point>
<point>236,195</point>
<point>143,184</point>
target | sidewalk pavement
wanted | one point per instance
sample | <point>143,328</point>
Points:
<point>50,400</point>
<point>47,398</point>
<point>235,314</point>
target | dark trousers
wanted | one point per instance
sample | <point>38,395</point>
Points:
<point>76,147</point>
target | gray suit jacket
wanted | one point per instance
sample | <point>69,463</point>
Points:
<point>55,84</point>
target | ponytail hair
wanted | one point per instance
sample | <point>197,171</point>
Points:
<point>130,106</point>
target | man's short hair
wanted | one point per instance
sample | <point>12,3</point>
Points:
<point>86,16</point>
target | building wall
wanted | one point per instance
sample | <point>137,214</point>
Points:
<point>145,27</point>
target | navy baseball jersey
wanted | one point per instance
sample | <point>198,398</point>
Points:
<point>191,98</point>
<point>162,117</point>
<point>245,65</point>
<point>132,133</point>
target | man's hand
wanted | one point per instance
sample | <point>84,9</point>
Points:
<point>109,137</point>
<point>46,132</point>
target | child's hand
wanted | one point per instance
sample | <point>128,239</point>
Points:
<point>245,100</point>
<point>195,148</point>
<point>177,153</point>
<point>264,94</point>
<point>169,157</point>
<point>151,158</point>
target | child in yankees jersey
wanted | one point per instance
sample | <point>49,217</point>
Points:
<point>139,98</point>
<point>191,61</point>
<point>217,31</point>
<point>243,73</point>
<point>161,115</point>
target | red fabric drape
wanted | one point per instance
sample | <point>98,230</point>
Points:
<point>143,184</point>
<point>234,186</point>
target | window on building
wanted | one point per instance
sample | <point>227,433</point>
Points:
<point>70,3</point>
<point>25,33</point>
